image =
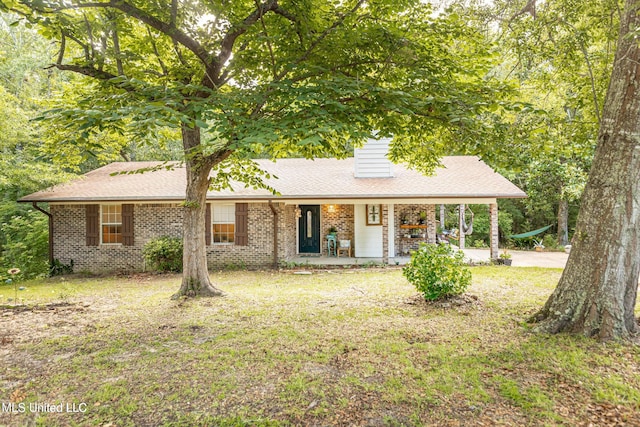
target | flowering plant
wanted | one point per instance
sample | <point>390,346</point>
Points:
<point>13,272</point>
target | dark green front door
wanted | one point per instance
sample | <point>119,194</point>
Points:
<point>309,229</point>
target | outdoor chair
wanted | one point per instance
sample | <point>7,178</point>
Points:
<point>344,245</point>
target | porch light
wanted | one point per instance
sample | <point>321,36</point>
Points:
<point>298,212</point>
<point>331,208</point>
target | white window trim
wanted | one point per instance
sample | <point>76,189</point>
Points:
<point>213,221</point>
<point>109,223</point>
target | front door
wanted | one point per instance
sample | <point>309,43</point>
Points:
<point>309,229</point>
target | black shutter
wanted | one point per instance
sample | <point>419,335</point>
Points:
<point>207,225</point>
<point>127,225</point>
<point>242,224</point>
<point>92,216</point>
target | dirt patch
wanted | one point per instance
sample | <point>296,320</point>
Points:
<point>459,302</point>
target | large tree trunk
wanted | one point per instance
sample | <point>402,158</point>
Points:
<point>596,295</point>
<point>563,222</point>
<point>195,274</point>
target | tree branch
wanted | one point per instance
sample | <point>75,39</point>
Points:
<point>157,53</point>
<point>116,49</point>
<point>325,33</point>
<point>167,29</point>
<point>90,34</point>
<point>306,54</point>
<point>63,47</point>
<point>85,70</point>
<point>273,58</point>
<point>229,40</point>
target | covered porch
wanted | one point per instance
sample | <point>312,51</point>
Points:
<point>377,230</point>
<point>520,259</point>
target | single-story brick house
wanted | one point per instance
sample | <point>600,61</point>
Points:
<point>102,220</point>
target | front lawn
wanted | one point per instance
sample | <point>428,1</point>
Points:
<point>332,348</point>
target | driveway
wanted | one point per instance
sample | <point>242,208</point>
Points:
<point>524,258</point>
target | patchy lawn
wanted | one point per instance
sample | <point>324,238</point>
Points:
<point>345,348</point>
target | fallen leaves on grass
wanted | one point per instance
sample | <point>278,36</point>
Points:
<point>356,349</point>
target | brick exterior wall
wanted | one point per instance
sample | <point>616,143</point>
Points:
<point>342,219</point>
<point>404,245</point>
<point>259,252</point>
<point>288,239</point>
<point>155,220</point>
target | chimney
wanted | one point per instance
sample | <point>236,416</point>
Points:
<point>371,160</point>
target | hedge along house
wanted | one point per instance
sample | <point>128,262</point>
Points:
<point>102,220</point>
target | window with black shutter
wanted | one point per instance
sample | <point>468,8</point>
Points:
<point>242,224</point>
<point>92,218</point>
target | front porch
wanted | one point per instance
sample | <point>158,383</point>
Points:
<point>471,255</point>
<point>520,259</point>
<point>375,231</point>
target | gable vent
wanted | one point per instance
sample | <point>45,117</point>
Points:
<point>371,160</point>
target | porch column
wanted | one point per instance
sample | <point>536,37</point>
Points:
<point>461,225</point>
<point>493,235</point>
<point>432,227</point>
<point>385,234</point>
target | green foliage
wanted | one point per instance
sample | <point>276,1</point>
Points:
<point>437,271</point>
<point>25,244</point>
<point>164,254</point>
<point>549,241</point>
<point>57,268</point>
<point>306,79</point>
<point>479,243</point>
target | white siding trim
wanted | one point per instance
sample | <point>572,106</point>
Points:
<point>368,238</point>
<point>371,160</point>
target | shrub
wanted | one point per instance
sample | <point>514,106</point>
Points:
<point>24,243</point>
<point>550,241</point>
<point>164,254</point>
<point>57,268</point>
<point>479,243</point>
<point>437,271</point>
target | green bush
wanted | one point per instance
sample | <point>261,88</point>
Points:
<point>25,244</point>
<point>479,243</point>
<point>164,254</point>
<point>550,241</point>
<point>437,271</point>
<point>57,268</point>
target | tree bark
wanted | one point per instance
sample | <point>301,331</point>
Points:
<point>596,294</point>
<point>563,222</point>
<point>195,274</point>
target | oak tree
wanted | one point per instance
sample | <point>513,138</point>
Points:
<point>596,295</point>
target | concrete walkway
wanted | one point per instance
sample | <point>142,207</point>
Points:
<point>520,259</point>
<point>524,258</point>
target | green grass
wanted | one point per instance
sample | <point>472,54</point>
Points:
<point>349,348</point>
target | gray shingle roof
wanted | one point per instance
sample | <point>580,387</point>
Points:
<point>460,177</point>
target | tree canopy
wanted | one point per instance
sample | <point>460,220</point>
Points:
<point>274,78</point>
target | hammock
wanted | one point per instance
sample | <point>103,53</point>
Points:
<point>529,233</point>
<point>467,229</point>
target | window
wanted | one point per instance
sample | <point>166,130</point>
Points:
<point>111,224</point>
<point>224,223</point>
